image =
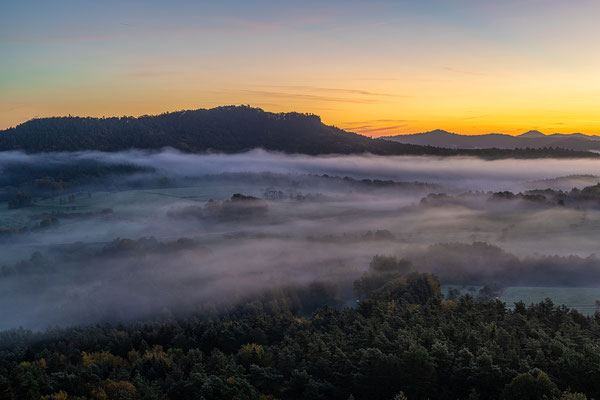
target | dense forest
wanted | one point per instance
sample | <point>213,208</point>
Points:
<point>226,129</point>
<point>401,341</point>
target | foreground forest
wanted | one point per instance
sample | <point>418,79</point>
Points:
<point>228,129</point>
<point>401,341</point>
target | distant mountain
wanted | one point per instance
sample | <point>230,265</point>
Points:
<point>531,134</point>
<point>531,139</point>
<point>233,129</point>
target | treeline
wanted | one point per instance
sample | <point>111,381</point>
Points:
<point>401,341</point>
<point>239,207</point>
<point>587,197</point>
<point>49,177</point>
<point>225,129</point>
<point>481,263</point>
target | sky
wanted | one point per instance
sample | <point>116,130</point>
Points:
<point>377,67</point>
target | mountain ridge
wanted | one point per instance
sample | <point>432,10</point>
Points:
<point>227,129</point>
<point>530,139</point>
<point>531,134</point>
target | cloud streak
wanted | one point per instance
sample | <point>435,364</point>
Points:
<point>311,97</point>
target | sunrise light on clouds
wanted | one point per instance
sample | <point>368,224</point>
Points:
<point>377,68</point>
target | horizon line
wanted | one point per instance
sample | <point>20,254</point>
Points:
<point>339,126</point>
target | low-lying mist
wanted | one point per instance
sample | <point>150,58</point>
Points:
<point>88,237</point>
<point>464,172</point>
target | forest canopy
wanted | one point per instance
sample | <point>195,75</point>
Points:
<point>402,340</point>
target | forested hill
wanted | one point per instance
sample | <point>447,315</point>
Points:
<point>225,129</point>
<point>531,139</point>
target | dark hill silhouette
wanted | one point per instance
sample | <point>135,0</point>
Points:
<point>224,129</point>
<point>531,134</point>
<point>531,139</point>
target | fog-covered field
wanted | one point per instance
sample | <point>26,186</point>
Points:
<point>118,236</point>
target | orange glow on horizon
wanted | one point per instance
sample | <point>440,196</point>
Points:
<point>502,102</point>
<point>376,69</point>
<point>377,125</point>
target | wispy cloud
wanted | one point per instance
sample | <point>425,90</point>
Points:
<point>188,25</point>
<point>370,78</point>
<point>373,129</point>
<point>149,74</point>
<point>463,72</point>
<point>333,90</point>
<point>311,97</point>
<point>264,25</point>
<point>371,121</point>
<point>381,130</point>
<point>473,117</point>
<point>12,106</point>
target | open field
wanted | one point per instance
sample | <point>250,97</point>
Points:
<point>581,299</point>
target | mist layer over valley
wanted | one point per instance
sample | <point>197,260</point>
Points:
<point>89,236</point>
<point>227,200</point>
